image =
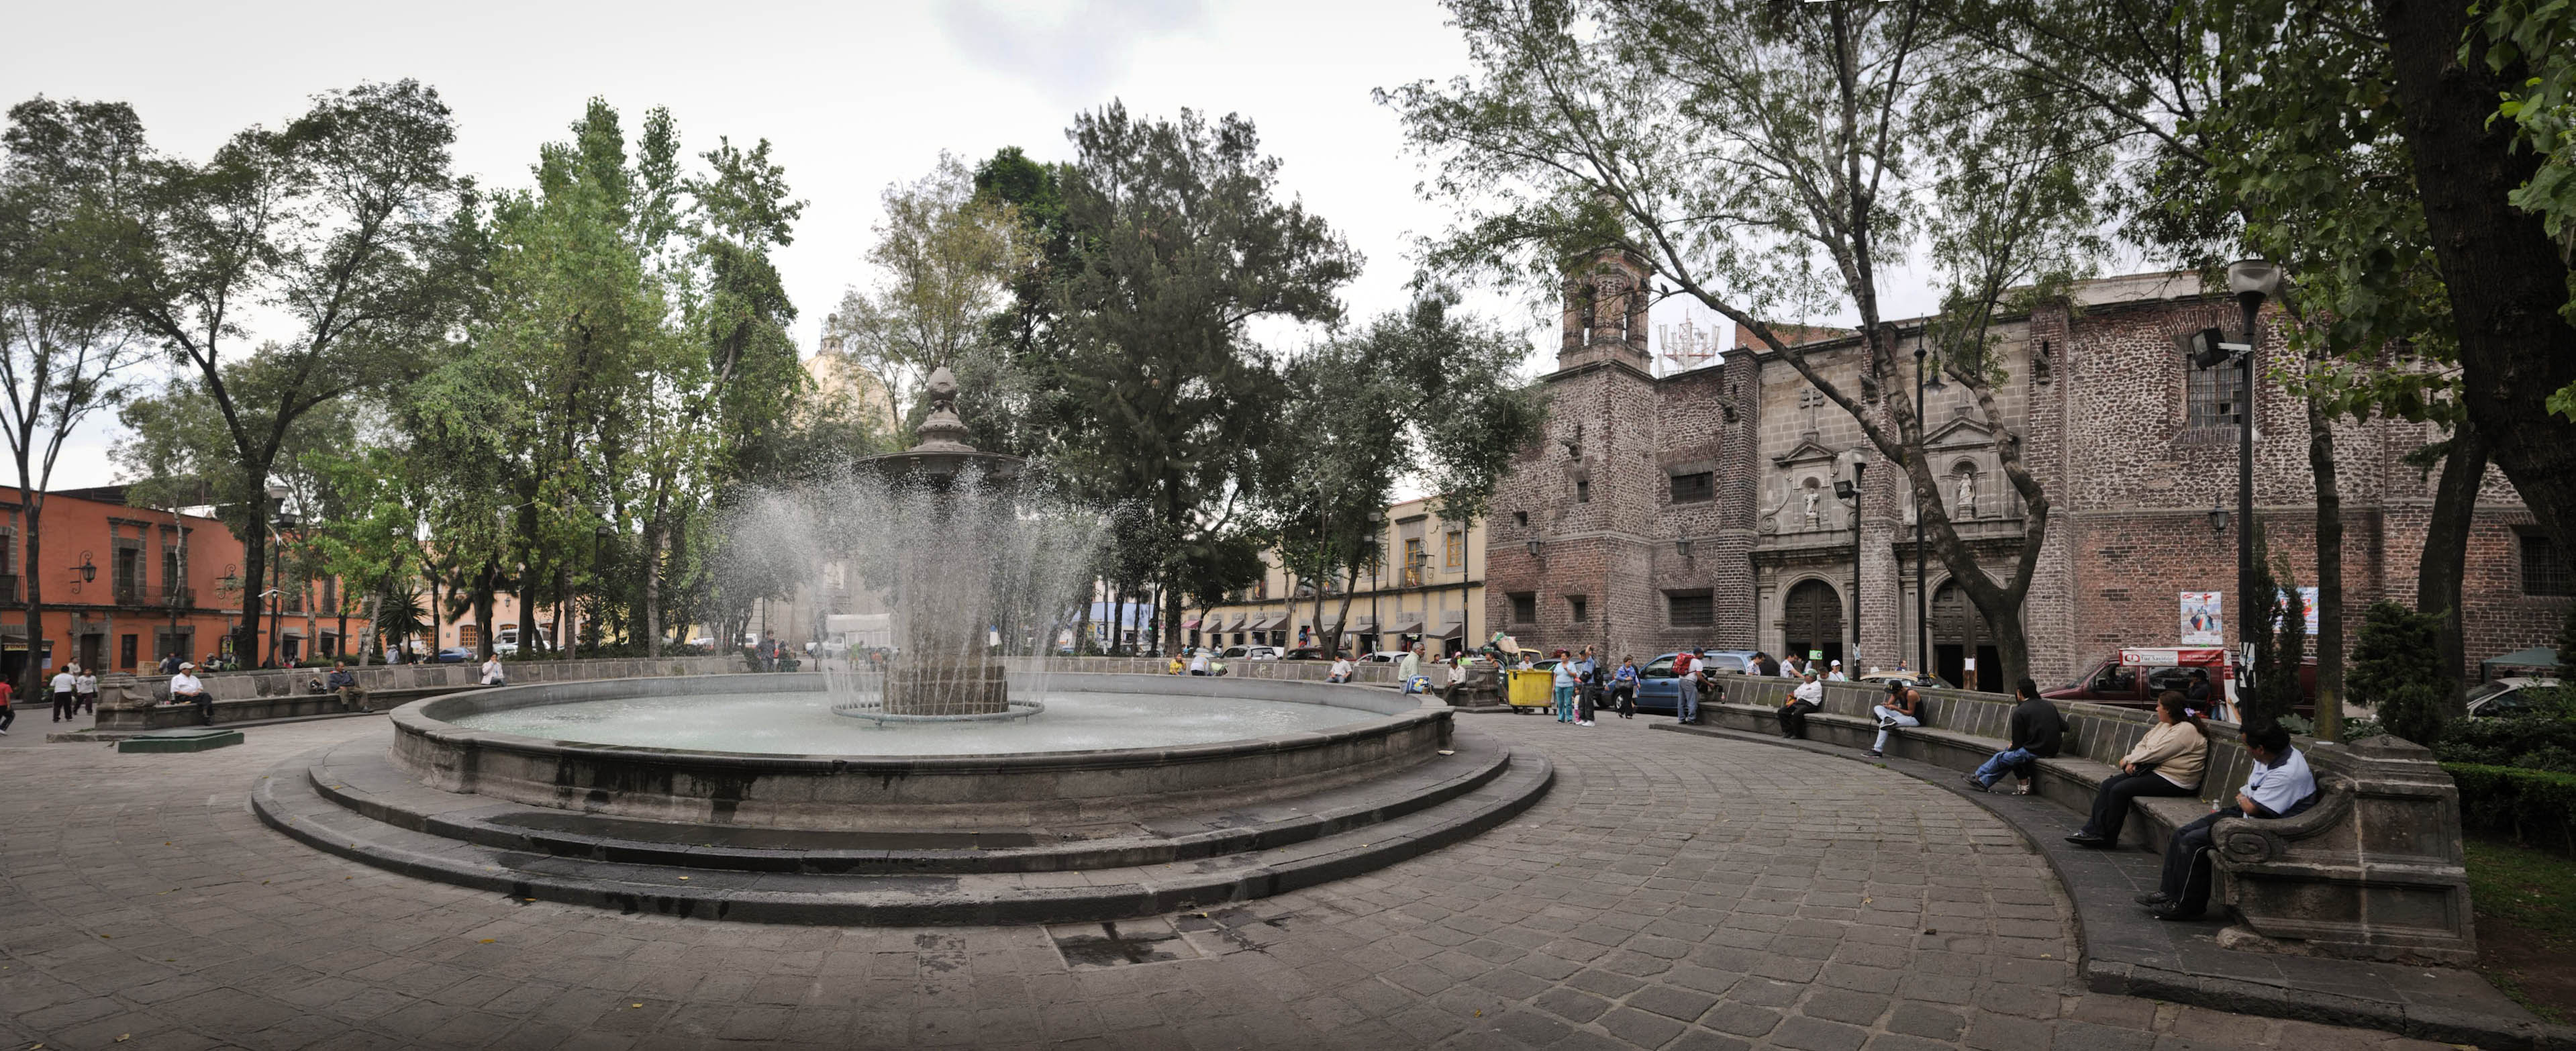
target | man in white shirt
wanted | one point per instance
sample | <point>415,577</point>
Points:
<point>1809,696</point>
<point>1341,670</point>
<point>1199,661</point>
<point>65,681</point>
<point>185,689</point>
<point>2280,786</point>
<point>1410,668</point>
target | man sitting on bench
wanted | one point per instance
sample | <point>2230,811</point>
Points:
<point>2038,731</point>
<point>2280,786</point>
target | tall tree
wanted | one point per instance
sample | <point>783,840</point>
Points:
<point>946,256</point>
<point>1180,241</point>
<point>348,225</point>
<point>70,171</point>
<point>1772,160</point>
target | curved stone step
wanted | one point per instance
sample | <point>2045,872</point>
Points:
<point>286,799</point>
<point>359,777</point>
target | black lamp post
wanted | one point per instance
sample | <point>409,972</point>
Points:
<point>1850,489</point>
<point>2252,281</point>
<point>1922,597</point>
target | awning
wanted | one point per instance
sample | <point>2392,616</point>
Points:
<point>1191,624</point>
<point>1277,620</point>
<point>1236,624</point>
<point>2535,657</point>
<point>1259,621</point>
<point>1363,624</point>
<point>1453,623</point>
<point>1407,622</point>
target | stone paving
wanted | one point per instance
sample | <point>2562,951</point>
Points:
<point>1671,892</point>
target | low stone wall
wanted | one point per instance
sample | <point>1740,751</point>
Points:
<point>1293,671</point>
<point>139,702</point>
<point>907,792</point>
<point>2373,869</point>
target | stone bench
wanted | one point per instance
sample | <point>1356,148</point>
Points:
<point>2373,869</point>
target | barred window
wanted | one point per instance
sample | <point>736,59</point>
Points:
<point>1694,488</point>
<point>1691,609</point>
<point>1578,607</point>
<point>1524,607</point>
<point>2215,395</point>
<point>2544,568</point>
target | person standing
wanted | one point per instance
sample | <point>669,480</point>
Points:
<point>186,689</point>
<point>1809,696</point>
<point>2166,762</point>
<point>1587,687</point>
<point>1409,670</point>
<point>2038,731</point>
<point>64,682</point>
<point>1623,687</point>
<point>1902,708</point>
<point>8,714</point>
<point>170,664</point>
<point>344,682</point>
<point>85,692</point>
<point>1685,688</point>
<point>1563,680</point>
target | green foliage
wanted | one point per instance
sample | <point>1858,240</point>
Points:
<point>2278,630</point>
<point>2536,807</point>
<point>946,253</point>
<point>2536,742</point>
<point>2397,671</point>
<point>2565,645</point>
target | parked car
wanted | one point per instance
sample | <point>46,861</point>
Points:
<point>1733,662</point>
<point>506,641</point>
<point>1306,653</point>
<point>1384,657</point>
<point>1250,653</point>
<point>2507,696</point>
<point>455,655</point>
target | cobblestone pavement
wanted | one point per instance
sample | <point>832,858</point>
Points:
<point>1671,892</point>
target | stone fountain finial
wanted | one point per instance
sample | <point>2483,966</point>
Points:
<point>943,431</point>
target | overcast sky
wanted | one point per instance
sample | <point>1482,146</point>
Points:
<point>853,96</point>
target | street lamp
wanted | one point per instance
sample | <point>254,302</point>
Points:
<point>2252,281</point>
<point>1922,429</point>
<point>1850,489</point>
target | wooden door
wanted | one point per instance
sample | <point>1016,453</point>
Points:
<point>1813,616</point>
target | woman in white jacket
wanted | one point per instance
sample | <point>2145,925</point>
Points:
<point>2166,762</point>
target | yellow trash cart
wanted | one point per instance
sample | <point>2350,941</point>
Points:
<point>1531,689</point>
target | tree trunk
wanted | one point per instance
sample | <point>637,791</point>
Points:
<point>652,567</point>
<point>564,639</point>
<point>2504,276</point>
<point>375,605</point>
<point>2329,641</point>
<point>254,571</point>
<point>1082,618</point>
<point>32,676</point>
<point>2446,553</point>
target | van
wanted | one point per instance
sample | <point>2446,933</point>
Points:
<point>505,642</point>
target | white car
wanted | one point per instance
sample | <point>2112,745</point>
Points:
<point>2505,697</point>
<point>1251,653</point>
<point>1385,657</point>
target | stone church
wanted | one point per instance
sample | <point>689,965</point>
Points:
<point>1701,508</point>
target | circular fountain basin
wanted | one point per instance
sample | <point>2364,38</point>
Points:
<point>1111,748</point>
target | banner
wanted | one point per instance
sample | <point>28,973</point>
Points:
<point>2201,623</point>
<point>2307,601</point>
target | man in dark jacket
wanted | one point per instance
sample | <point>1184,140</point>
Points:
<point>1764,665</point>
<point>2038,731</point>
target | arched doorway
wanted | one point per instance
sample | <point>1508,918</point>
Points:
<point>1958,633</point>
<point>1813,616</point>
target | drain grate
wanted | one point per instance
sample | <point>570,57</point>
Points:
<point>1124,943</point>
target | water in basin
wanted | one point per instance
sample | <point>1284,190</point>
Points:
<point>803,724</point>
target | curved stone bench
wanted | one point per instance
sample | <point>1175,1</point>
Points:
<point>2374,869</point>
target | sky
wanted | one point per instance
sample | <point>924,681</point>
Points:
<point>853,96</point>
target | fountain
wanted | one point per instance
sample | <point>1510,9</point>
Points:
<point>967,757</point>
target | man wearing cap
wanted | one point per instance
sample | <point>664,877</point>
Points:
<point>185,689</point>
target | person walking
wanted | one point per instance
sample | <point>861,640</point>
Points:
<point>64,682</point>
<point>1685,687</point>
<point>1809,696</point>
<point>185,688</point>
<point>1623,687</point>
<point>1563,680</point>
<point>2038,731</point>
<point>1902,708</point>
<point>2167,762</point>
<point>85,692</point>
<point>8,714</point>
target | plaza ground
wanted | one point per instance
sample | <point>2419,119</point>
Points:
<point>1671,892</point>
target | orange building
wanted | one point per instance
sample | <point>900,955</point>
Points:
<point>124,586</point>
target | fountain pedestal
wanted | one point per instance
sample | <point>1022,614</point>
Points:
<point>946,686</point>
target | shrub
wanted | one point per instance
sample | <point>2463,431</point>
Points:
<point>2537,807</point>
<point>2397,670</point>
<point>2526,741</point>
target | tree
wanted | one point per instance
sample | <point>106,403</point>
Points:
<point>1767,160</point>
<point>347,224</point>
<point>1413,394</point>
<point>2277,628</point>
<point>70,170</point>
<point>1180,241</point>
<point>2397,670</point>
<point>947,255</point>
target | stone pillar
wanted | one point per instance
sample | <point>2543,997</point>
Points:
<point>2373,870</point>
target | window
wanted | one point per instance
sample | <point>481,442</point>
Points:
<point>129,651</point>
<point>1690,609</point>
<point>1524,607</point>
<point>1520,518</point>
<point>2544,569</point>
<point>1583,490</point>
<point>1453,549</point>
<point>1578,608</point>
<point>467,636</point>
<point>1694,488</point>
<point>2214,395</point>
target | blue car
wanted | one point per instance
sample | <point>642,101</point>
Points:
<point>1659,690</point>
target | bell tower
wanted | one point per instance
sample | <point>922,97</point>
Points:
<point>1606,294</point>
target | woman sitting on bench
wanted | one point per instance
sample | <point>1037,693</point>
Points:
<point>2166,762</point>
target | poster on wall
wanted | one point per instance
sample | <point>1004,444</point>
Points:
<point>2307,602</point>
<point>2201,624</point>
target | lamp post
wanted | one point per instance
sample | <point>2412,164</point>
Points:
<point>1850,489</point>
<point>2251,281</point>
<point>1922,597</point>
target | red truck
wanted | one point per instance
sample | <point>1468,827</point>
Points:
<point>2133,677</point>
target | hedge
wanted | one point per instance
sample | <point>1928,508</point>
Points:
<point>2538,807</point>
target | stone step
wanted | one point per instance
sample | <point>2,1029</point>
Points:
<point>286,799</point>
<point>359,777</point>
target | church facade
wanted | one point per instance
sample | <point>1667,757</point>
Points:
<point>1702,508</point>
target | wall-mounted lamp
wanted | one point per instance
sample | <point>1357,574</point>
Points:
<point>1534,548</point>
<point>87,570</point>
<point>2217,518</point>
<point>1682,547</point>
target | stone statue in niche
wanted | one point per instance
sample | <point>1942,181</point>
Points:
<point>1967,494</point>
<point>1814,521</point>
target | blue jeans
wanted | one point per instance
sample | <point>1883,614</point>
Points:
<point>1565,704</point>
<point>2003,763</point>
<point>1687,708</point>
